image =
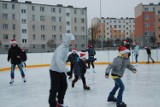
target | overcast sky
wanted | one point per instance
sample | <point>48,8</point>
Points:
<point>110,8</point>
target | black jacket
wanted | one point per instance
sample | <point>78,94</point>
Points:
<point>72,58</point>
<point>23,56</point>
<point>13,52</point>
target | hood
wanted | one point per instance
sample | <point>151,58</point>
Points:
<point>66,38</point>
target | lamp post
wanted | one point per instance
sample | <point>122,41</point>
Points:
<point>101,26</point>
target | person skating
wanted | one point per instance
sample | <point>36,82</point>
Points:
<point>23,57</point>
<point>14,54</point>
<point>118,67</point>
<point>80,70</point>
<point>72,58</point>
<point>58,71</point>
<point>128,46</point>
<point>91,54</point>
<point>148,50</point>
<point>136,51</point>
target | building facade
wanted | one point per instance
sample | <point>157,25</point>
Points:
<point>147,23</point>
<point>39,27</point>
<point>114,28</point>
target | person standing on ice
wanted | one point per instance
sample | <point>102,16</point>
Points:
<point>23,57</point>
<point>136,51</point>
<point>118,67</point>
<point>72,59</point>
<point>80,70</point>
<point>91,54</point>
<point>127,45</point>
<point>14,54</point>
<point>148,50</point>
<point>58,71</point>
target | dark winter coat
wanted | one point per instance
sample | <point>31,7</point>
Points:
<point>80,67</point>
<point>72,58</point>
<point>23,56</point>
<point>13,52</point>
<point>91,54</point>
<point>148,51</point>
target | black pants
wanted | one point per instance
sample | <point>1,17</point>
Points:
<point>92,63</point>
<point>71,70</point>
<point>82,77</point>
<point>58,88</point>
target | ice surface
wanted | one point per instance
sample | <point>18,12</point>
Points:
<point>141,89</point>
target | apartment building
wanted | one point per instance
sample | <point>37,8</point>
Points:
<point>114,28</point>
<point>147,23</point>
<point>39,27</point>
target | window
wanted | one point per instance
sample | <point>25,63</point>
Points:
<point>14,26</point>
<point>33,8</point>
<point>42,18</point>
<point>68,23</point>
<point>68,31</point>
<point>5,26</point>
<point>4,6</point>
<point>24,21</point>
<point>43,46</point>
<point>60,10</point>
<point>75,28</point>
<point>5,16</point>
<point>146,17</point>
<point>34,37</point>
<point>13,6</point>
<point>53,19</point>
<point>24,30</point>
<point>5,36</point>
<point>146,25</point>
<point>33,27</point>
<point>42,37</point>
<point>13,16</point>
<point>33,17</point>
<point>60,19</point>
<point>146,9</point>
<point>53,10</point>
<point>158,12</point>
<point>54,37</point>
<point>60,28</point>
<point>82,29</point>
<point>159,28</point>
<point>75,11</point>
<point>54,28</point>
<point>67,14</point>
<point>82,20</point>
<point>23,11</point>
<point>34,46</point>
<point>14,36</point>
<point>75,20</point>
<point>82,12</point>
<point>42,27</point>
<point>24,40</point>
<point>42,9</point>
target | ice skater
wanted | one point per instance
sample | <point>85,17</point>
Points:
<point>58,71</point>
<point>72,59</point>
<point>23,57</point>
<point>91,54</point>
<point>136,51</point>
<point>80,70</point>
<point>118,67</point>
<point>128,46</point>
<point>14,54</point>
<point>148,50</point>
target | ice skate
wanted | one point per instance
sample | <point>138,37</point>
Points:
<point>72,84</point>
<point>60,105</point>
<point>24,80</point>
<point>86,87</point>
<point>122,104</point>
<point>12,81</point>
<point>111,99</point>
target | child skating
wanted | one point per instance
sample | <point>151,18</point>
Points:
<point>80,70</point>
<point>118,67</point>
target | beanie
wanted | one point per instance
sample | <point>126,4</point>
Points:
<point>123,50</point>
<point>13,41</point>
<point>82,55</point>
<point>74,49</point>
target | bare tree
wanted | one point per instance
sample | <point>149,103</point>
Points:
<point>51,43</point>
<point>95,31</point>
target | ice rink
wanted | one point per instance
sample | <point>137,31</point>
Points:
<point>141,89</point>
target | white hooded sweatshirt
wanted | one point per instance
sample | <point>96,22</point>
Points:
<point>58,62</point>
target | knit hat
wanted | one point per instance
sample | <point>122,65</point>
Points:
<point>125,41</point>
<point>13,41</point>
<point>123,50</point>
<point>74,49</point>
<point>82,55</point>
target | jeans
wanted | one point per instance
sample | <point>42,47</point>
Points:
<point>136,58</point>
<point>118,84</point>
<point>13,69</point>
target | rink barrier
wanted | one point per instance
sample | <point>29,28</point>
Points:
<point>47,65</point>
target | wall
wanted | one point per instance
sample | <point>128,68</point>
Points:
<point>102,56</point>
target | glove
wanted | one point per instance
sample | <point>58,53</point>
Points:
<point>69,73</point>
